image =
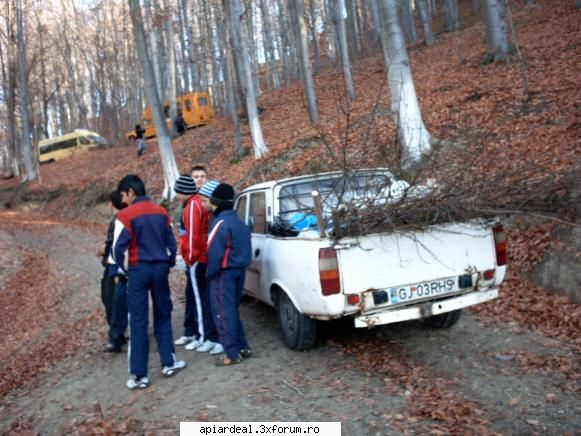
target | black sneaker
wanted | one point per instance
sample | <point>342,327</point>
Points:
<point>110,348</point>
<point>246,353</point>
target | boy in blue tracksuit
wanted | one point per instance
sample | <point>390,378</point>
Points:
<point>144,230</point>
<point>229,253</point>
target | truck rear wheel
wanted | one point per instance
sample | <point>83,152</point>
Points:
<point>299,332</point>
<point>443,320</point>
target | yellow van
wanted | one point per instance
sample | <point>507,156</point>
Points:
<point>195,107</point>
<point>61,147</point>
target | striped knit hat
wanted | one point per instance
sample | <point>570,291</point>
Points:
<point>185,185</point>
<point>209,188</point>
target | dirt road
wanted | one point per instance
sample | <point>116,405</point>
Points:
<point>482,376</point>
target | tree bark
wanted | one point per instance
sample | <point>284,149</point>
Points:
<point>28,157</point>
<point>452,16</point>
<point>413,136</point>
<point>305,63</point>
<point>269,44</point>
<point>408,21</point>
<point>496,37</point>
<point>426,22</point>
<point>339,21</point>
<point>241,52</point>
<point>171,66</point>
<point>9,86</point>
<point>168,162</point>
<point>314,37</point>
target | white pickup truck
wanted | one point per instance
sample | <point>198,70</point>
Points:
<point>376,278</point>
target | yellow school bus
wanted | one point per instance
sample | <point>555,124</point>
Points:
<point>195,107</point>
<point>64,146</point>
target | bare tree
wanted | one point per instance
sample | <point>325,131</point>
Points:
<point>413,135</point>
<point>30,161</point>
<point>269,43</point>
<point>339,16</point>
<point>241,53</point>
<point>407,17</point>
<point>298,13</point>
<point>496,36</point>
<point>171,64</point>
<point>452,16</point>
<point>168,162</point>
<point>9,71</point>
<point>426,18</point>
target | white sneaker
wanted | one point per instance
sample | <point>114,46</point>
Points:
<point>218,349</point>
<point>206,346</point>
<point>193,345</point>
<point>169,371</point>
<point>184,340</point>
<point>138,383</point>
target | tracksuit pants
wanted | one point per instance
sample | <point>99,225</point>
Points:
<point>225,293</point>
<point>119,319</point>
<point>143,278</point>
<point>198,319</point>
<point>107,294</point>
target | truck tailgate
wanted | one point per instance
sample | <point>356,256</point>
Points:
<point>382,261</point>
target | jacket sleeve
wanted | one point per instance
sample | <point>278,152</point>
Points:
<point>217,243</point>
<point>188,252</point>
<point>171,243</point>
<point>121,239</point>
<point>197,232</point>
<point>108,242</point>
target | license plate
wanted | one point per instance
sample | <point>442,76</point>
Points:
<point>420,291</point>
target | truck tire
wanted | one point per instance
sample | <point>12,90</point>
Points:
<point>299,332</point>
<point>443,320</point>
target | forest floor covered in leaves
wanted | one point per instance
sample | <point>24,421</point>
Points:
<point>510,366</point>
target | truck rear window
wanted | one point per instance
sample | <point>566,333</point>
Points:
<point>334,190</point>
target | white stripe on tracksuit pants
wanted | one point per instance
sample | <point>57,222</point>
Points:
<point>199,308</point>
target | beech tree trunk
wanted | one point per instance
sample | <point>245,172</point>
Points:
<point>496,37</point>
<point>452,16</point>
<point>413,136</point>
<point>304,61</point>
<point>28,157</point>
<point>168,161</point>
<point>246,83</point>
<point>426,18</point>
<point>339,15</point>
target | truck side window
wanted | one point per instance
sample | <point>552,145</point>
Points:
<point>188,105</point>
<point>257,218</point>
<point>241,207</point>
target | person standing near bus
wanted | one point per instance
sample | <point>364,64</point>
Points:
<point>140,141</point>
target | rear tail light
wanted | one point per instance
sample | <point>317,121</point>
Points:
<point>500,244</point>
<point>488,274</point>
<point>353,299</point>
<point>329,271</point>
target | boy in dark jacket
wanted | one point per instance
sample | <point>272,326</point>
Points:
<point>229,253</point>
<point>144,230</point>
<point>115,275</point>
<point>104,251</point>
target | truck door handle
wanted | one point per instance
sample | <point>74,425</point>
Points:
<point>257,252</point>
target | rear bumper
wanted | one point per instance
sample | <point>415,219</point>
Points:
<point>426,309</point>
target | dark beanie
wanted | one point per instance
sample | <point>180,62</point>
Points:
<point>185,185</point>
<point>223,195</point>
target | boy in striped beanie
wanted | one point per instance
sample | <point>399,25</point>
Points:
<point>199,331</point>
<point>229,253</point>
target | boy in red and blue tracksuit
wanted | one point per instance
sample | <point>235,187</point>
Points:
<point>144,230</point>
<point>229,253</point>
<point>199,331</point>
